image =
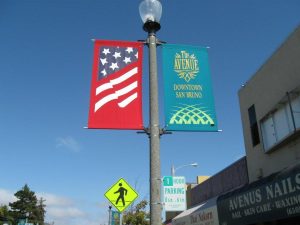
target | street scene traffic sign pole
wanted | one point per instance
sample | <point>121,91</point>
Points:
<point>155,173</point>
<point>150,12</point>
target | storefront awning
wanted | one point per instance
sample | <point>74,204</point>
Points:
<point>271,198</point>
<point>205,213</point>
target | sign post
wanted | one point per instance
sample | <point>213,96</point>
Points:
<point>174,193</point>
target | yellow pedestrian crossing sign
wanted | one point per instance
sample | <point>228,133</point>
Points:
<point>121,195</point>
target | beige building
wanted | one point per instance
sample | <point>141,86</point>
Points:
<point>262,188</point>
<point>202,197</point>
<point>270,111</point>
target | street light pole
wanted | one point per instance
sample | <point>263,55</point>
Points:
<point>173,169</point>
<point>155,173</point>
<point>150,11</point>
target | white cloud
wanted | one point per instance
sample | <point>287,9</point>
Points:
<point>54,200</point>
<point>62,210</point>
<point>68,143</point>
<point>6,197</point>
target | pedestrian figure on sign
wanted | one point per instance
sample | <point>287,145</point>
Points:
<point>121,192</point>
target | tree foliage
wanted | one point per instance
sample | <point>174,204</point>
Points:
<point>26,206</point>
<point>137,215</point>
<point>40,211</point>
<point>26,203</point>
<point>5,216</point>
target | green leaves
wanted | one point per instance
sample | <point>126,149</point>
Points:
<point>138,215</point>
<point>27,206</point>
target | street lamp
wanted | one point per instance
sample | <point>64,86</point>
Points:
<point>173,169</point>
<point>150,12</point>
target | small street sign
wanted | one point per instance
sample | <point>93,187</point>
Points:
<point>22,222</point>
<point>121,195</point>
<point>168,181</point>
<point>115,218</point>
<point>174,193</point>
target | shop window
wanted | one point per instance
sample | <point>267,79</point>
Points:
<point>295,105</point>
<point>253,126</point>
<point>281,123</point>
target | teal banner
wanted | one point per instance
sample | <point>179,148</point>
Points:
<point>115,218</point>
<point>22,222</point>
<point>189,101</point>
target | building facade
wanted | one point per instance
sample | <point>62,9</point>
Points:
<point>270,112</point>
<point>231,177</point>
<point>202,206</point>
<point>262,188</point>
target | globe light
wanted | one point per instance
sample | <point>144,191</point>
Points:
<point>150,10</point>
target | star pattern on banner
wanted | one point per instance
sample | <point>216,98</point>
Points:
<point>113,59</point>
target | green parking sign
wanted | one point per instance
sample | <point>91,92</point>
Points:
<point>168,181</point>
<point>174,191</point>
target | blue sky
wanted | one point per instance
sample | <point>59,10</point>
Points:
<point>45,74</point>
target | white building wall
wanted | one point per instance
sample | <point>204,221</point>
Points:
<point>266,89</point>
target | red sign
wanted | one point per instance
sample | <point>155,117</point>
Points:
<point>116,90</point>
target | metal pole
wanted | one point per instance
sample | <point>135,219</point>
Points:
<point>173,171</point>
<point>155,173</point>
<point>109,215</point>
<point>121,218</point>
<point>27,218</point>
